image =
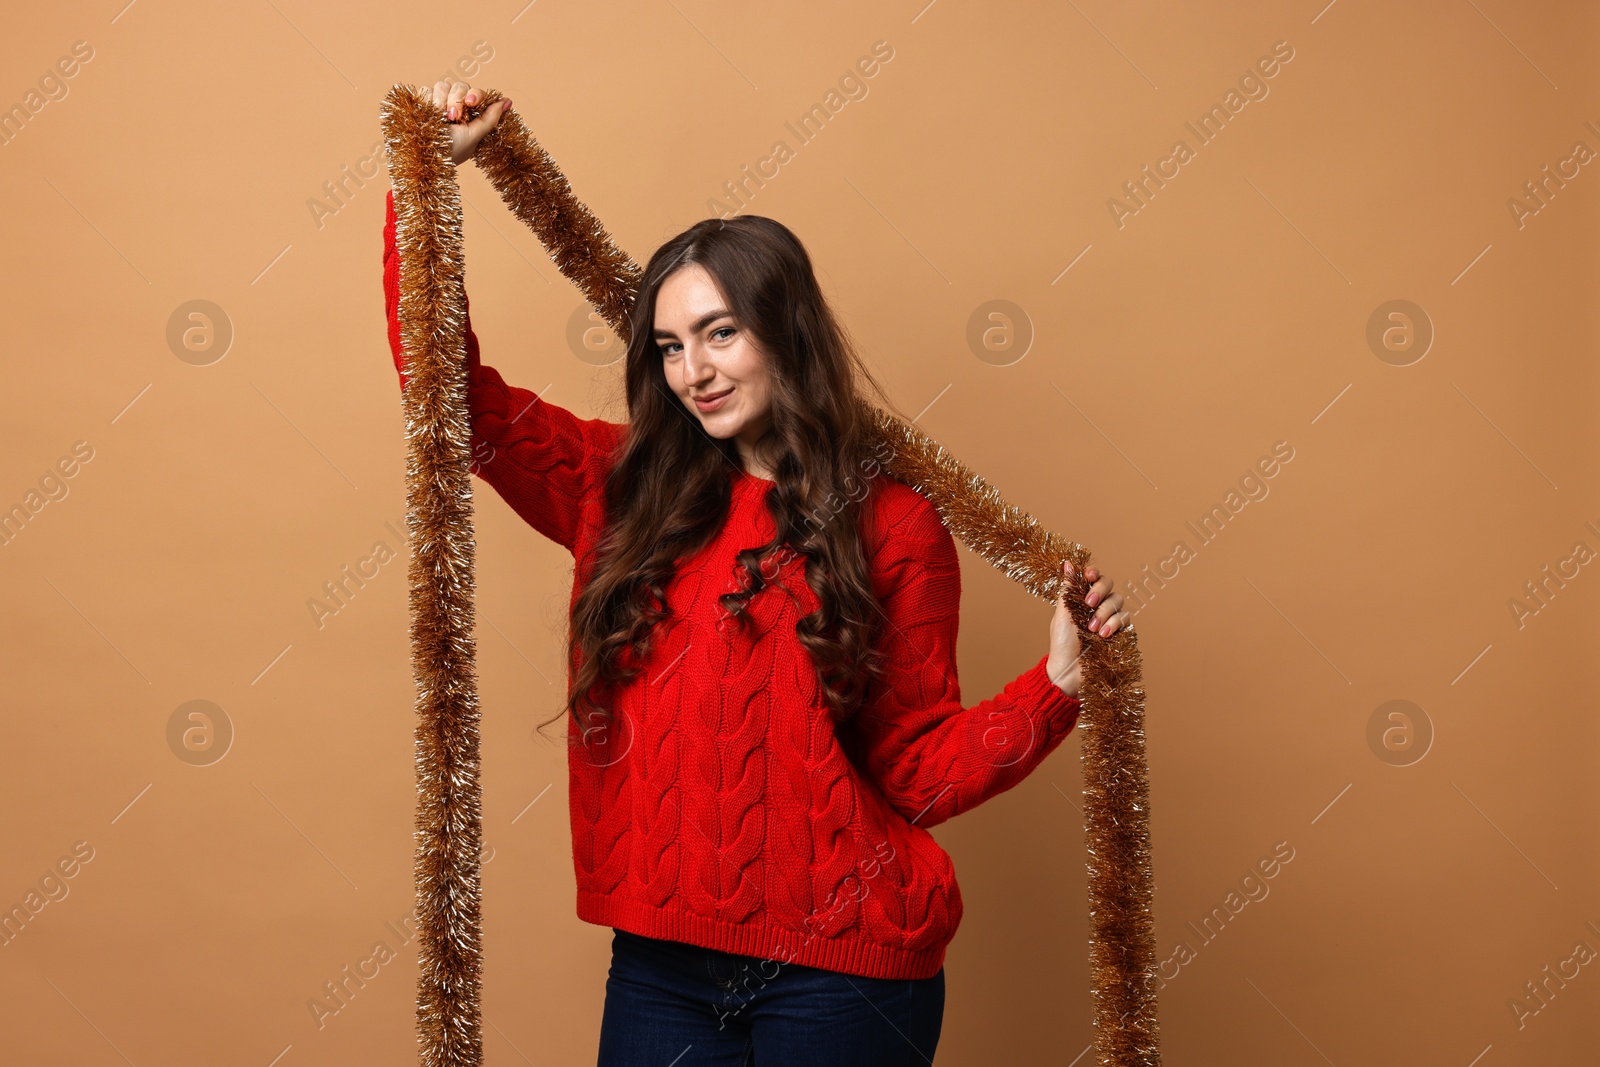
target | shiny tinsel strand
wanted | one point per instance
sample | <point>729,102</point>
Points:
<point>439,521</point>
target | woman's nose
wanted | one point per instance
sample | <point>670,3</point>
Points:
<point>696,368</point>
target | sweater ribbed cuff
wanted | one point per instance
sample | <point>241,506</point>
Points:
<point>1043,699</point>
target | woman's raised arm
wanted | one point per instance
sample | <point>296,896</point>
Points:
<point>543,461</point>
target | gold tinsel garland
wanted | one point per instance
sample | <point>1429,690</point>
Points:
<point>439,516</point>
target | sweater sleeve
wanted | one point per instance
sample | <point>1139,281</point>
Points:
<point>932,757</point>
<point>542,460</point>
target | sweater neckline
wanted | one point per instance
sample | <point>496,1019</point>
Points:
<point>745,478</point>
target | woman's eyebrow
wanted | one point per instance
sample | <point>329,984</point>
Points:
<point>699,324</point>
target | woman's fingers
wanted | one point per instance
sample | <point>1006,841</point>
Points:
<point>458,93</point>
<point>491,116</point>
<point>1104,613</point>
<point>454,97</point>
<point>1120,621</point>
<point>1109,616</point>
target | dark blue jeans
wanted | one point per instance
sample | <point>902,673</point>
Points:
<point>670,1004</point>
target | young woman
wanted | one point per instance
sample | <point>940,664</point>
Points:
<point>763,712</point>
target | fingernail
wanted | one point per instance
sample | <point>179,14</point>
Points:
<point>508,104</point>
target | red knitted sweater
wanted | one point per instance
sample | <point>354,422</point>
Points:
<point>725,808</point>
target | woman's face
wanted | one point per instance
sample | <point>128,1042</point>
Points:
<point>711,362</point>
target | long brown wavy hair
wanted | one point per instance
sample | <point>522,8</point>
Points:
<point>670,484</point>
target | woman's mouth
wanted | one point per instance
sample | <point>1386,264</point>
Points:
<point>712,401</point>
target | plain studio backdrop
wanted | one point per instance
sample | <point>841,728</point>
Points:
<point>1285,310</point>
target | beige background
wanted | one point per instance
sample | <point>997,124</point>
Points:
<point>1229,313</point>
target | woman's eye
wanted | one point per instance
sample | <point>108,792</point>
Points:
<point>667,347</point>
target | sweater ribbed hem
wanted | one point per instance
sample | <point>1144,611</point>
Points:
<point>761,940</point>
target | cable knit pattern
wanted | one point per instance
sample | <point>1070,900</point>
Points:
<point>723,807</point>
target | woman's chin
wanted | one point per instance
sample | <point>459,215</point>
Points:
<point>720,426</point>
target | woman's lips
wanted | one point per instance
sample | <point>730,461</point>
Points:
<point>712,402</point>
